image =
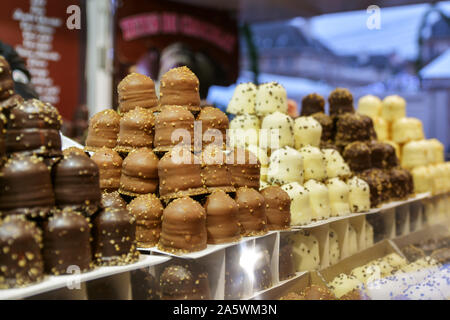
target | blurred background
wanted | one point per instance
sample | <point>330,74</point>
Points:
<point>399,47</point>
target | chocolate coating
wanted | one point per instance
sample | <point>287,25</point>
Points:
<point>25,186</point>
<point>8,104</point>
<point>109,165</point>
<point>379,184</point>
<point>183,227</point>
<point>179,87</point>
<point>74,150</point>
<point>113,199</point>
<point>327,126</point>
<point>33,128</point>
<point>401,183</point>
<point>317,292</point>
<point>136,90</point>
<point>341,101</point>
<point>262,271</point>
<point>76,183</point>
<point>252,214</point>
<point>66,242</point>
<point>380,153</point>
<point>103,129</point>
<point>6,80</point>
<point>312,103</point>
<point>173,118</point>
<point>184,281</point>
<point>286,265</point>
<point>139,173</point>
<point>221,218</point>
<point>20,253</point>
<point>213,119</point>
<point>245,168</point>
<point>136,130</point>
<point>180,174</point>
<point>353,127</point>
<point>215,171</point>
<point>114,234</point>
<point>148,210</point>
<point>144,285</point>
<point>2,138</point>
<point>278,208</point>
<point>358,156</point>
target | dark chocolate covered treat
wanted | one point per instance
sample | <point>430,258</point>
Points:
<point>214,124</point>
<point>357,155</point>
<point>114,234</point>
<point>382,155</point>
<point>184,280</point>
<point>109,165</point>
<point>252,214</point>
<point>179,87</point>
<point>355,294</point>
<point>379,184</point>
<point>327,126</point>
<point>215,171</point>
<point>26,187</point>
<point>221,218</point>
<point>76,183</point>
<point>144,285</point>
<point>66,243</point>
<point>74,150</point>
<point>286,265</point>
<point>180,174</point>
<point>183,227</point>
<point>139,173</point>
<point>33,128</point>
<point>136,130</point>
<point>174,126</point>
<point>262,272</point>
<point>340,101</point>
<point>8,104</point>
<point>20,253</point>
<point>278,206</point>
<point>312,103</point>
<point>352,127</point>
<point>148,210</point>
<point>103,129</point>
<point>6,80</point>
<point>317,292</point>
<point>412,253</point>
<point>244,167</point>
<point>235,275</point>
<point>113,199</point>
<point>136,90</point>
<point>401,183</point>
<point>2,138</point>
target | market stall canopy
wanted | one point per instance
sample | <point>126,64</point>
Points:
<point>265,10</point>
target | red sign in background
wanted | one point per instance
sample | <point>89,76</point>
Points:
<point>37,30</point>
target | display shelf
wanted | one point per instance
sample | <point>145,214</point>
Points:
<point>57,282</point>
<point>256,295</point>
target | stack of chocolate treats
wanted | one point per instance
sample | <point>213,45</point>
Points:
<point>49,199</point>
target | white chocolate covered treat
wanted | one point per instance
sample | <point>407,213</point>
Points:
<point>366,273</point>
<point>313,163</point>
<point>437,151</point>
<point>280,131</point>
<point>369,105</point>
<point>301,212</point>
<point>422,179</point>
<point>381,128</point>
<point>352,240</point>
<point>369,234</point>
<point>243,100</point>
<point>343,284</point>
<point>305,248</point>
<point>415,154</point>
<point>270,97</point>
<point>359,195</point>
<point>318,199</point>
<point>393,108</point>
<point>263,159</point>
<point>390,264</point>
<point>338,192</point>
<point>423,264</point>
<point>335,164</point>
<point>407,129</point>
<point>285,165</point>
<point>244,131</point>
<point>307,131</point>
<point>334,250</point>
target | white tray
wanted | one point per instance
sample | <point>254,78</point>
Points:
<point>57,282</point>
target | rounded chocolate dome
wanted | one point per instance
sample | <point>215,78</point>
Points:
<point>312,103</point>
<point>103,129</point>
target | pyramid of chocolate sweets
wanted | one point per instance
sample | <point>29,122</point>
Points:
<point>166,159</point>
<point>50,201</point>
